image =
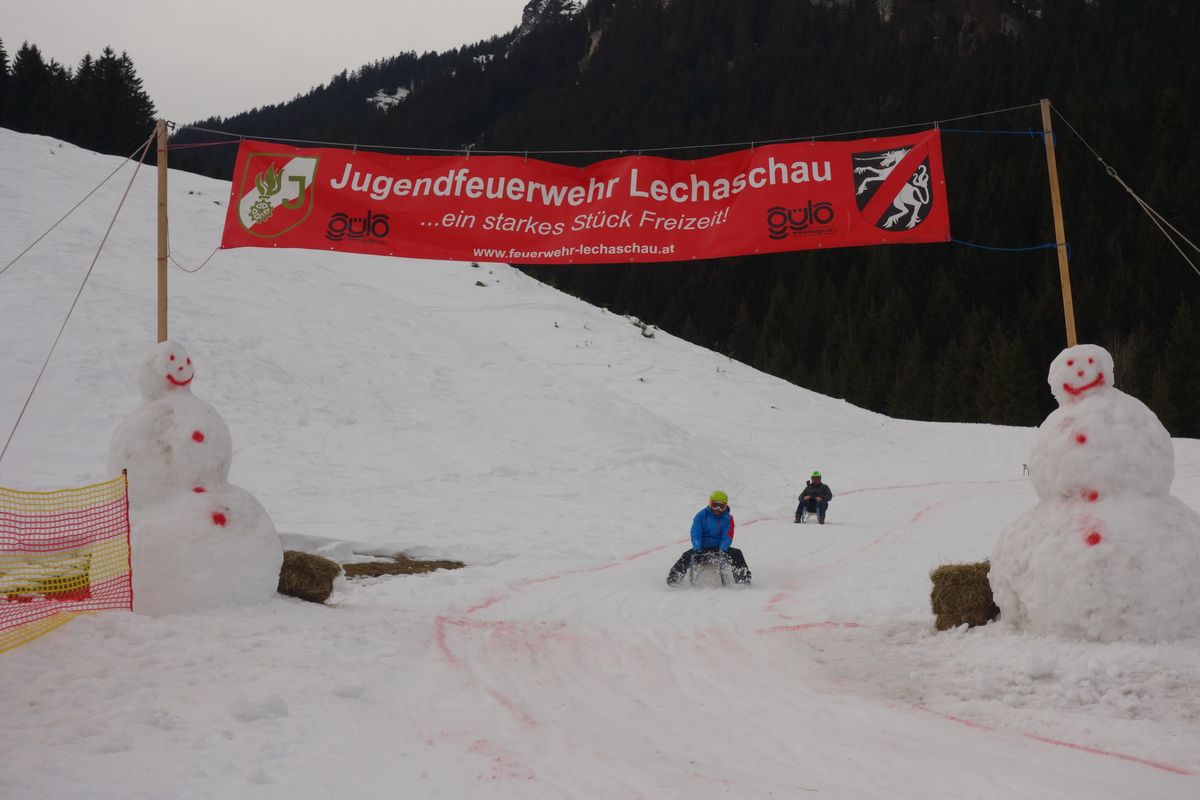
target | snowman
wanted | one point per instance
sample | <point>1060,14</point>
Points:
<point>198,541</point>
<point>1107,553</point>
<point>175,441</point>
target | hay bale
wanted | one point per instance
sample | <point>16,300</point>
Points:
<point>971,619</point>
<point>397,565</point>
<point>307,576</point>
<point>962,594</point>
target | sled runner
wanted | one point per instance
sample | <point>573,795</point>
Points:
<point>709,568</point>
<point>804,512</point>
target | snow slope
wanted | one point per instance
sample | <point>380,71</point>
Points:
<point>382,405</point>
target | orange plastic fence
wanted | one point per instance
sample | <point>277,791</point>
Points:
<point>62,553</point>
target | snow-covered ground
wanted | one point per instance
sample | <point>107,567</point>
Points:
<point>383,405</point>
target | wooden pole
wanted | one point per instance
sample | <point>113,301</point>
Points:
<point>160,130</point>
<point>1060,229</point>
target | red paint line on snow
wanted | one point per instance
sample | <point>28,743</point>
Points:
<point>441,623</point>
<point>491,601</point>
<point>916,518</point>
<point>533,581</point>
<point>443,644</point>
<point>845,492</point>
<point>1061,743</point>
<point>439,637</point>
<point>1111,754</point>
<point>807,626</point>
<point>960,720</point>
<point>511,707</point>
<point>441,640</point>
<point>641,553</point>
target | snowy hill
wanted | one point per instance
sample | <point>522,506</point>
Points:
<point>470,413</point>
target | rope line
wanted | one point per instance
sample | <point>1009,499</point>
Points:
<point>1046,246</point>
<point>1030,132</point>
<point>618,151</point>
<point>995,249</point>
<point>13,432</point>
<point>1158,219</point>
<point>202,264</point>
<point>77,205</point>
<point>193,145</point>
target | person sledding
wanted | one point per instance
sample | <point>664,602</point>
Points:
<point>712,532</point>
<point>814,499</point>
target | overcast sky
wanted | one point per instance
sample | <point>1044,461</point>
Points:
<point>203,58</point>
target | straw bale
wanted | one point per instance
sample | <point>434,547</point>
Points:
<point>398,565</point>
<point>961,594</point>
<point>945,622</point>
<point>308,576</point>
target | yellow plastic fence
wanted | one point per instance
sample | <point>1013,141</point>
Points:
<point>62,553</point>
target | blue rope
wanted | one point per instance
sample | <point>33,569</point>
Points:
<point>1030,132</point>
<point>1047,246</point>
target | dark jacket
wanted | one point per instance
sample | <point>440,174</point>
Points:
<point>817,490</point>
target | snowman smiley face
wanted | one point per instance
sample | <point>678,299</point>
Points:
<point>179,369</point>
<point>1085,370</point>
<point>166,369</point>
<point>1080,371</point>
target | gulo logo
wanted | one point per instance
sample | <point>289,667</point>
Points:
<point>783,222</point>
<point>343,226</point>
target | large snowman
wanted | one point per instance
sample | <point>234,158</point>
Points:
<point>198,541</point>
<point>1107,553</point>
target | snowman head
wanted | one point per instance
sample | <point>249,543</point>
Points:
<point>166,368</point>
<point>1080,371</point>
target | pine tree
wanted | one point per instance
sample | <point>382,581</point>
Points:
<point>5,80</point>
<point>29,89</point>
<point>909,399</point>
<point>137,112</point>
<point>122,114</point>
<point>1179,363</point>
<point>86,101</point>
<point>740,345</point>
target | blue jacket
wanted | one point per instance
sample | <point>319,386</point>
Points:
<point>712,530</point>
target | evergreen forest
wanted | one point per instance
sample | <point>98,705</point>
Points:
<point>99,105</point>
<point>948,332</point>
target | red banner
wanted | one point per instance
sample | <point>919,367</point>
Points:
<point>507,209</point>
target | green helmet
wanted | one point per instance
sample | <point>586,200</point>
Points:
<point>718,497</point>
<point>816,473</point>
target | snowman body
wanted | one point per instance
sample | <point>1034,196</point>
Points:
<point>204,550</point>
<point>174,443</point>
<point>1108,443</point>
<point>198,541</point>
<point>1107,552</point>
